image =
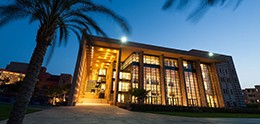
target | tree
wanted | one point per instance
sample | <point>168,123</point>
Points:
<point>56,19</point>
<point>201,6</point>
<point>140,94</point>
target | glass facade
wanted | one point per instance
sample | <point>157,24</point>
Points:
<point>208,86</point>
<point>191,82</point>
<point>129,79</point>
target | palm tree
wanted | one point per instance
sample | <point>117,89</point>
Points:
<point>55,17</point>
<point>201,6</point>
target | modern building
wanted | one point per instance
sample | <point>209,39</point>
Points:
<point>252,95</point>
<point>108,69</point>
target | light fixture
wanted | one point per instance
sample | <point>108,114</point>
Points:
<point>123,39</point>
<point>211,54</point>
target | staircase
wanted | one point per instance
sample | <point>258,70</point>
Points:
<point>91,98</point>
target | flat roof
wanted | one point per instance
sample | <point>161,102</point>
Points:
<point>192,54</point>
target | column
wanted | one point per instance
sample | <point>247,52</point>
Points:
<point>118,63</point>
<point>217,86</point>
<point>109,81</point>
<point>77,77</point>
<point>182,82</point>
<point>141,70</point>
<point>200,84</point>
<point>162,80</point>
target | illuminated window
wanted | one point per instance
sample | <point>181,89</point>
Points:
<point>192,89</point>
<point>173,87</point>
<point>170,62</point>
<point>152,83</point>
<point>135,74</point>
<point>123,86</point>
<point>153,60</point>
<point>125,75</point>
<point>134,57</point>
<point>102,72</point>
<point>121,98</point>
<point>208,86</point>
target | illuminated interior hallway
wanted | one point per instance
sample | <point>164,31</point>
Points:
<point>107,70</point>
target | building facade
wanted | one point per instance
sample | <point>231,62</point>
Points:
<point>252,95</point>
<point>108,69</point>
<point>15,71</point>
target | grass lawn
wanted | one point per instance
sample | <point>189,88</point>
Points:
<point>211,115</point>
<point>5,109</point>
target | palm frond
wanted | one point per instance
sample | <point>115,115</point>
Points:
<point>201,6</point>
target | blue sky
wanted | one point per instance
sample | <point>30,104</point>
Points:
<point>221,30</point>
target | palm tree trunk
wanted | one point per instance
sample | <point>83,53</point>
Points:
<point>25,92</point>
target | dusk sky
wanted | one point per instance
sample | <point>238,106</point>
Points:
<point>220,30</point>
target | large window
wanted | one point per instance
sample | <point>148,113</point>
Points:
<point>191,84</point>
<point>192,89</point>
<point>152,83</point>
<point>173,87</point>
<point>208,86</point>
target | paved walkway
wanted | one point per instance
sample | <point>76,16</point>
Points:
<point>105,114</point>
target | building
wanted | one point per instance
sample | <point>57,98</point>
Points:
<point>9,77</point>
<point>107,69</point>
<point>252,95</point>
<point>15,71</point>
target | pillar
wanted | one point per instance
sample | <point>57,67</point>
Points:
<point>141,73</point>
<point>162,80</point>
<point>77,76</point>
<point>182,82</point>
<point>141,70</point>
<point>118,63</point>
